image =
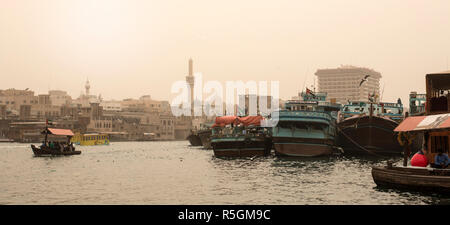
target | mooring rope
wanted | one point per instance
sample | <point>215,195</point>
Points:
<point>355,143</point>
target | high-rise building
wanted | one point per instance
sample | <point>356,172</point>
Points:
<point>344,83</point>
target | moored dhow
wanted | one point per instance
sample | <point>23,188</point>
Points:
<point>234,136</point>
<point>204,134</point>
<point>306,128</point>
<point>194,139</point>
<point>368,128</point>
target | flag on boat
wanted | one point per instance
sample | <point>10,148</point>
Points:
<point>308,91</point>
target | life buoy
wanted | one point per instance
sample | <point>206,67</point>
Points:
<point>419,160</point>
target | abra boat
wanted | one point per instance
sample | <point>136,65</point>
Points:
<point>435,130</point>
<point>307,127</point>
<point>194,139</point>
<point>412,178</point>
<point>63,145</point>
<point>368,128</point>
<point>240,137</point>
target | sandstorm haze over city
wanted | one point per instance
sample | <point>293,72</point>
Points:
<point>131,48</point>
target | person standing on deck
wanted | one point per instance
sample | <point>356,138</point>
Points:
<point>441,160</point>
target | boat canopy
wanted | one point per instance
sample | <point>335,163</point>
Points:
<point>250,120</point>
<point>58,132</point>
<point>424,123</point>
<point>222,121</point>
<point>246,120</point>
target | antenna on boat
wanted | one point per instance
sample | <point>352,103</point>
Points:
<point>314,84</point>
<point>306,76</point>
<point>382,92</point>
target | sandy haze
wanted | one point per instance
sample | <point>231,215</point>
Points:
<point>130,48</point>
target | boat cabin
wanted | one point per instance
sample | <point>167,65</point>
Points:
<point>417,104</point>
<point>438,93</point>
<point>235,126</point>
<point>435,130</point>
<point>392,110</point>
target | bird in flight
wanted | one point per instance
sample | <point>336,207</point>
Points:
<point>363,80</point>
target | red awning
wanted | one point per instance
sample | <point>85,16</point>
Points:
<point>423,123</point>
<point>60,132</point>
<point>224,120</point>
<point>250,120</point>
<point>246,120</point>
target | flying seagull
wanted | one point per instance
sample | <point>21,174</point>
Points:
<point>363,80</point>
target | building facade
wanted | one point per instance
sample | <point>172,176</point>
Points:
<point>343,83</point>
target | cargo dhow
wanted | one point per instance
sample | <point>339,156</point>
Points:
<point>307,127</point>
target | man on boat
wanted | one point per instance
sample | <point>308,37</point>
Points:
<point>441,160</point>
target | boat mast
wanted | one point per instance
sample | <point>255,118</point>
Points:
<point>46,131</point>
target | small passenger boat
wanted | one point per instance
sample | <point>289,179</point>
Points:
<point>62,146</point>
<point>413,178</point>
<point>434,129</point>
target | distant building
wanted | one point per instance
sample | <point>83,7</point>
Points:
<point>114,106</point>
<point>85,99</point>
<point>14,98</point>
<point>44,99</point>
<point>343,83</point>
<point>167,127</point>
<point>59,98</point>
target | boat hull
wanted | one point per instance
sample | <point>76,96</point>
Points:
<point>368,135</point>
<point>50,152</point>
<point>205,138</point>
<point>410,178</point>
<point>241,147</point>
<point>194,140</point>
<point>302,149</point>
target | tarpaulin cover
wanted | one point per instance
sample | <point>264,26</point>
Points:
<point>418,123</point>
<point>250,120</point>
<point>225,120</point>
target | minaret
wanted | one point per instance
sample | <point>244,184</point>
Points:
<point>190,81</point>
<point>87,86</point>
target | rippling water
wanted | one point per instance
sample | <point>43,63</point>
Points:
<point>174,173</point>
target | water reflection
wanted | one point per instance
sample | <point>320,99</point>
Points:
<point>173,173</point>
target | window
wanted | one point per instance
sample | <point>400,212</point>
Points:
<point>439,142</point>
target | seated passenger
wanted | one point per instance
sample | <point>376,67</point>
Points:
<point>441,160</point>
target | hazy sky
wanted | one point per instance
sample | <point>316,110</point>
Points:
<point>130,48</point>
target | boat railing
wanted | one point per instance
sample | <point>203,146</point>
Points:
<point>240,132</point>
<point>304,113</point>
